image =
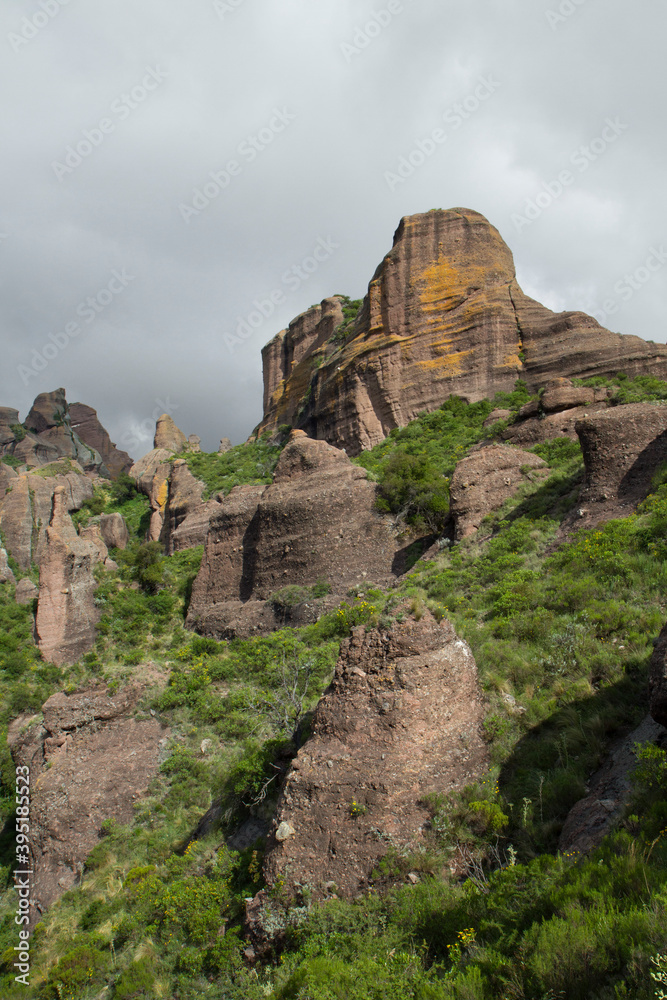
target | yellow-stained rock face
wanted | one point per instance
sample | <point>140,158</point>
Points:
<point>443,316</point>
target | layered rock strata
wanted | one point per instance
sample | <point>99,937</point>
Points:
<point>485,479</point>
<point>315,522</point>
<point>443,316</point>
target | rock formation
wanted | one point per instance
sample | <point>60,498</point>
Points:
<point>443,315</point>
<point>592,817</point>
<point>555,413</point>
<point>485,479</point>
<point>186,516</point>
<point>90,759</point>
<point>85,423</point>
<point>315,522</point>
<point>25,506</point>
<point>114,531</point>
<point>657,683</point>
<point>54,430</point>
<point>401,719</point>
<point>623,447</point>
<point>66,611</point>
<point>168,436</point>
<point>26,591</point>
<point>6,574</point>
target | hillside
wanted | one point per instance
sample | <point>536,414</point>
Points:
<point>310,726</point>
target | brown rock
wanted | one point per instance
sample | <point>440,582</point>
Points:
<point>26,591</point>
<point>25,508</point>
<point>6,575</point>
<point>623,448</point>
<point>401,719</point>
<point>443,315</point>
<point>49,420</point>
<point>66,611</point>
<point>89,761</point>
<point>317,521</point>
<point>485,479</point>
<point>496,415</point>
<point>225,446</point>
<point>85,422</point>
<point>114,531</point>
<point>91,533</point>
<point>168,436</point>
<point>595,815</point>
<point>560,394</point>
<point>657,684</point>
<point>526,433</point>
<point>8,417</point>
<point>151,474</point>
<point>184,499</point>
<point>194,444</point>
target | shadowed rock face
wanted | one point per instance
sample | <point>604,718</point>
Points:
<point>485,479</point>
<point>443,315</point>
<point>315,522</point>
<point>89,761</point>
<point>657,684</point>
<point>401,719</point>
<point>623,448</point>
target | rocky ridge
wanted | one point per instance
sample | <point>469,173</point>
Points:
<point>443,316</point>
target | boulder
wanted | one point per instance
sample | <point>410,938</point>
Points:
<point>316,521</point>
<point>443,315</point>
<point>225,446</point>
<point>657,684</point>
<point>168,436</point>
<point>66,611</point>
<point>114,531</point>
<point>90,760</point>
<point>194,444</point>
<point>92,533</point>
<point>6,575</point>
<point>560,394</point>
<point>485,479</point>
<point>401,719</point>
<point>86,424</point>
<point>26,591</point>
<point>496,415</point>
<point>623,448</point>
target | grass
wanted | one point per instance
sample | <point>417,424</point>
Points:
<point>562,641</point>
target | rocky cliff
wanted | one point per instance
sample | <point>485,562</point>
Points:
<point>443,315</point>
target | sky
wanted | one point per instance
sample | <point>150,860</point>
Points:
<point>168,170</point>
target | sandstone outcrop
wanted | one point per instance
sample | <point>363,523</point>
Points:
<point>90,760</point>
<point>485,479</point>
<point>25,507</point>
<point>186,515</point>
<point>114,531</point>
<point>623,448</point>
<point>26,591</point>
<point>657,683</point>
<point>49,420</point>
<point>225,446</point>
<point>168,436</point>
<point>86,424</point>
<point>315,522</point>
<point>443,316</point>
<point>402,718</point>
<point>66,611</point>
<point>151,475</point>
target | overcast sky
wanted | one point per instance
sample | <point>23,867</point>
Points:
<point>127,288</point>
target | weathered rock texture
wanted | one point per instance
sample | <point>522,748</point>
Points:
<point>657,683</point>
<point>623,447</point>
<point>315,522</point>
<point>186,516</point>
<point>6,574</point>
<point>26,502</point>
<point>485,479</point>
<point>54,430</point>
<point>114,531</point>
<point>168,436</point>
<point>89,760</point>
<point>443,315</point>
<point>85,423</point>
<point>595,815</point>
<point>401,719</point>
<point>66,611</point>
<point>151,474</point>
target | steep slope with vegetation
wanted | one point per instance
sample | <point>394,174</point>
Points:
<point>562,634</point>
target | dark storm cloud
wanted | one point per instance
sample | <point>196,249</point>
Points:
<point>167,170</point>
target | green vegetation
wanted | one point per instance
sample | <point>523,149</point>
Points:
<point>641,389</point>
<point>561,632</point>
<point>351,309</point>
<point>245,464</point>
